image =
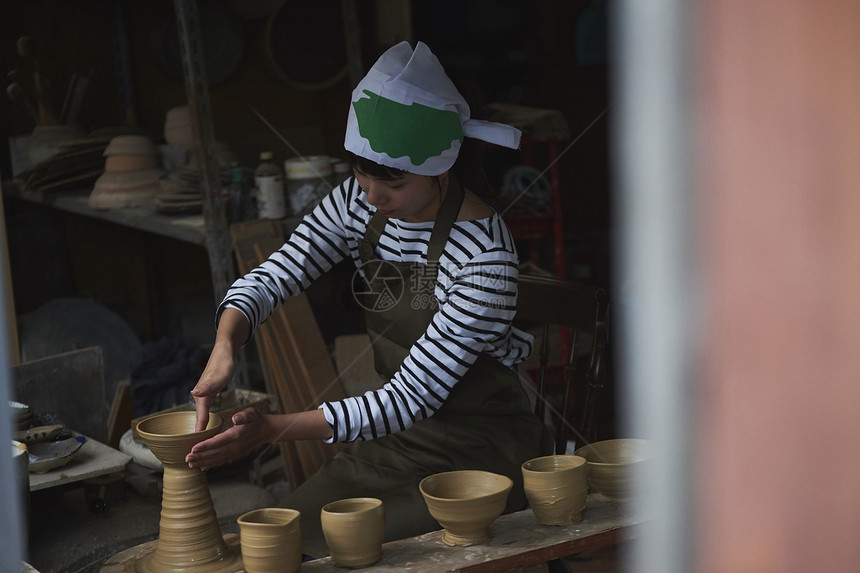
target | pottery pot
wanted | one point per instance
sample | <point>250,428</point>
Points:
<point>131,145</point>
<point>557,488</point>
<point>271,540</point>
<point>466,503</point>
<point>353,530</point>
<point>130,162</point>
<point>615,465</point>
<point>177,126</point>
<point>189,536</point>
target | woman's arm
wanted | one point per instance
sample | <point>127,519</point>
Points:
<point>251,430</point>
<point>233,329</point>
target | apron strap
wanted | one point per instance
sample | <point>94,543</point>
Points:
<point>445,219</point>
<point>449,210</point>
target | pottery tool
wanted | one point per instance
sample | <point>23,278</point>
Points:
<point>74,97</point>
<point>26,50</point>
<point>16,95</point>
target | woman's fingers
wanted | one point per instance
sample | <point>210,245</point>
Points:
<point>201,406</point>
<point>230,445</point>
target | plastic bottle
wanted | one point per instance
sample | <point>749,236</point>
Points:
<point>269,183</point>
<point>308,181</point>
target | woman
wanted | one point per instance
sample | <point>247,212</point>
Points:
<point>440,272</point>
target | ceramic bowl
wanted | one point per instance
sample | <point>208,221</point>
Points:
<point>557,488</point>
<point>171,436</point>
<point>45,456</point>
<point>131,145</point>
<point>22,414</point>
<point>613,466</point>
<point>130,162</point>
<point>466,503</point>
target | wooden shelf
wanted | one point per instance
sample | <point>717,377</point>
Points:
<point>517,541</point>
<point>188,228</point>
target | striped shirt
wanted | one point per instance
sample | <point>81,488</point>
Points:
<point>475,291</point>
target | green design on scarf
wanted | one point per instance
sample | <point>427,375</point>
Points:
<point>417,131</point>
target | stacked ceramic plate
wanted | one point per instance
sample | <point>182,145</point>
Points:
<point>181,189</point>
<point>131,174</point>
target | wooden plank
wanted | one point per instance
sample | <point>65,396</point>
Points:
<point>121,414</point>
<point>517,541</point>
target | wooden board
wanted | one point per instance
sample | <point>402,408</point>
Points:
<point>69,385</point>
<point>517,541</point>
<point>92,460</point>
<point>128,561</point>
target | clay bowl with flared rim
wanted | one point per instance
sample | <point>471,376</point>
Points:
<point>466,503</point>
<point>354,529</point>
<point>614,466</point>
<point>556,487</point>
<point>131,145</point>
<point>130,162</point>
<point>171,436</point>
<point>271,539</point>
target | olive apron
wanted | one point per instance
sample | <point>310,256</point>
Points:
<point>485,423</point>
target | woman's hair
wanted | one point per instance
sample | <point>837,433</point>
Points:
<point>468,168</point>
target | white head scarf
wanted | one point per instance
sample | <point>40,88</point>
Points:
<point>407,114</point>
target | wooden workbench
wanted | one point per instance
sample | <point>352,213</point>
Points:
<point>517,541</point>
<point>92,460</point>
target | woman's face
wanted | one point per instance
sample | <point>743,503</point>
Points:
<point>408,197</point>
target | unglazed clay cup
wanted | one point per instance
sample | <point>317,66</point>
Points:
<point>466,503</point>
<point>271,540</point>
<point>354,529</point>
<point>613,466</point>
<point>557,488</point>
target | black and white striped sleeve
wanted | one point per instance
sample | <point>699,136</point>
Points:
<point>474,316</point>
<point>318,243</point>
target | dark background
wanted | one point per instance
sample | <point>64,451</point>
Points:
<point>546,54</point>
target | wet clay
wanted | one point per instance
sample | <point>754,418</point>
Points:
<point>354,529</point>
<point>190,538</point>
<point>557,488</point>
<point>466,503</point>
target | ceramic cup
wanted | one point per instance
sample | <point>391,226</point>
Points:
<point>271,540</point>
<point>556,487</point>
<point>353,530</point>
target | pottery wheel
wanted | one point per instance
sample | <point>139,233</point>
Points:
<point>131,560</point>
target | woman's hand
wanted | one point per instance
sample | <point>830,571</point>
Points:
<point>250,430</point>
<point>233,329</point>
<point>218,372</point>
